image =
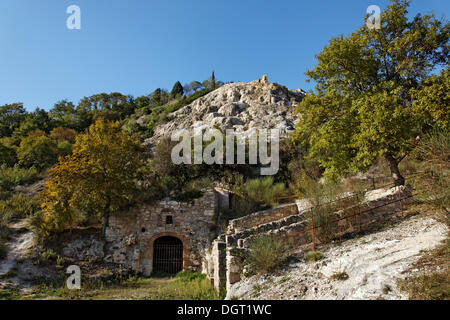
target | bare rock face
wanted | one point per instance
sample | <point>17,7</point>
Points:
<point>83,249</point>
<point>242,105</point>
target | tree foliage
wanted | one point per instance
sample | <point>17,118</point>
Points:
<point>7,155</point>
<point>37,150</point>
<point>99,177</point>
<point>362,108</point>
<point>431,101</point>
<point>177,90</point>
<point>11,115</point>
<point>196,85</point>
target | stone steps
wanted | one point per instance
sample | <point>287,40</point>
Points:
<point>233,239</point>
<point>262,218</point>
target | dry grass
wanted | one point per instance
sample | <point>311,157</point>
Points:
<point>431,278</point>
<point>434,286</point>
<point>192,286</point>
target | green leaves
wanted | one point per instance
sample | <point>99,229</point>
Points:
<point>432,100</point>
<point>374,92</point>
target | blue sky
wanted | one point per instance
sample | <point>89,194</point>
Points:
<point>136,46</point>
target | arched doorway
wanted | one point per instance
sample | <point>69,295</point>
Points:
<point>167,255</point>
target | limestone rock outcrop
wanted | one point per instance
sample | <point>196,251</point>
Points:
<point>241,105</point>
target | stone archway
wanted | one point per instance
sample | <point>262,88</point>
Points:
<point>169,253</point>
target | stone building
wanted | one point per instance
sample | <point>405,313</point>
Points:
<point>168,236</point>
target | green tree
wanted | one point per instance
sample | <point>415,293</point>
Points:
<point>11,115</point>
<point>177,90</point>
<point>213,81</point>
<point>142,102</point>
<point>42,119</point>
<point>114,103</point>
<point>38,119</point>
<point>155,97</point>
<point>362,106</point>
<point>37,150</point>
<point>99,177</point>
<point>7,155</point>
<point>64,114</point>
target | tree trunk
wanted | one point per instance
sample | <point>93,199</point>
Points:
<point>395,172</point>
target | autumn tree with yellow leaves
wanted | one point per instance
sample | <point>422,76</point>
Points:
<point>98,178</point>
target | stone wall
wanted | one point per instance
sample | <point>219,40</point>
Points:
<point>131,234</point>
<point>262,217</point>
<point>377,206</point>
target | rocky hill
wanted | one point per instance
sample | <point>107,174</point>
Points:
<point>241,105</point>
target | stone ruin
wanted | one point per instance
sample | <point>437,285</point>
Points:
<point>171,236</point>
<point>226,261</point>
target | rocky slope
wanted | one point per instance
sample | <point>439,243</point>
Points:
<point>241,105</point>
<point>371,265</point>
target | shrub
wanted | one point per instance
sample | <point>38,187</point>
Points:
<point>48,255</point>
<point>7,155</point>
<point>24,206</point>
<point>264,190</point>
<point>64,148</point>
<point>40,226</point>
<point>60,262</point>
<point>321,197</point>
<point>266,254</point>
<point>313,256</point>
<point>432,186</point>
<point>5,214</point>
<point>434,286</point>
<point>17,206</point>
<point>188,195</point>
<point>38,151</point>
<point>4,194</point>
<point>323,222</point>
<point>11,177</point>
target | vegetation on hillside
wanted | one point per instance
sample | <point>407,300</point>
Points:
<point>380,94</point>
<point>432,278</point>
<point>266,254</point>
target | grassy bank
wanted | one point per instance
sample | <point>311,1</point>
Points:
<point>185,286</point>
